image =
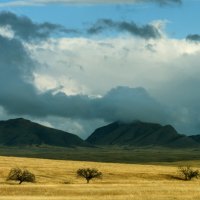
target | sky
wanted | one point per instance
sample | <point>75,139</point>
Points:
<point>76,65</point>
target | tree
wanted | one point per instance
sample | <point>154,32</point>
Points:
<point>17,174</point>
<point>188,173</point>
<point>89,173</point>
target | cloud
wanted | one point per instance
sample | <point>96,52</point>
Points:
<point>19,96</point>
<point>146,31</point>
<point>160,78</point>
<point>164,2</point>
<point>167,68</point>
<point>193,37</point>
<point>16,68</point>
<point>121,103</point>
<point>164,72</point>
<point>27,30</point>
<point>68,2</point>
<point>128,104</point>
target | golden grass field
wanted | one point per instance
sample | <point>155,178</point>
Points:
<point>56,180</point>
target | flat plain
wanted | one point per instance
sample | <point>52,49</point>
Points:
<point>56,180</point>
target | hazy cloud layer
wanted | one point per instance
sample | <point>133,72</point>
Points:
<point>193,37</point>
<point>46,2</point>
<point>146,31</point>
<point>24,28</point>
<point>165,2</point>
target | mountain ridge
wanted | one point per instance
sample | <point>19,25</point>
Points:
<point>140,133</point>
<point>20,131</point>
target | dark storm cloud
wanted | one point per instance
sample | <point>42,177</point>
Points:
<point>16,66</point>
<point>127,104</point>
<point>135,104</point>
<point>25,29</point>
<point>193,37</point>
<point>146,31</point>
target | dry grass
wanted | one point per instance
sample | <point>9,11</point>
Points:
<point>56,180</point>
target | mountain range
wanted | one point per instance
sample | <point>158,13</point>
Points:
<point>17,132</point>
<point>141,134</point>
<point>22,132</point>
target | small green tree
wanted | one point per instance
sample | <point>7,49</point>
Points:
<point>89,173</point>
<point>17,174</point>
<point>188,173</point>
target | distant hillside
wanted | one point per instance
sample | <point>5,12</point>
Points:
<point>17,132</point>
<point>140,134</point>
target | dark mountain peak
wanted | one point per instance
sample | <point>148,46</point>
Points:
<point>139,133</point>
<point>18,121</point>
<point>145,124</point>
<point>21,131</point>
<point>169,127</point>
<point>138,123</point>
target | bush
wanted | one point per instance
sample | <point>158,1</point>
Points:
<point>89,174</point>
<point>188,173</point>
<point>17,174</point>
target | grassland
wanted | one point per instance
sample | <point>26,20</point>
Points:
<point>56,180</point>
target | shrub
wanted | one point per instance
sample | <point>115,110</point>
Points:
<point>89,174</point>
<point>188,173</point>
<point>17,174</point>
